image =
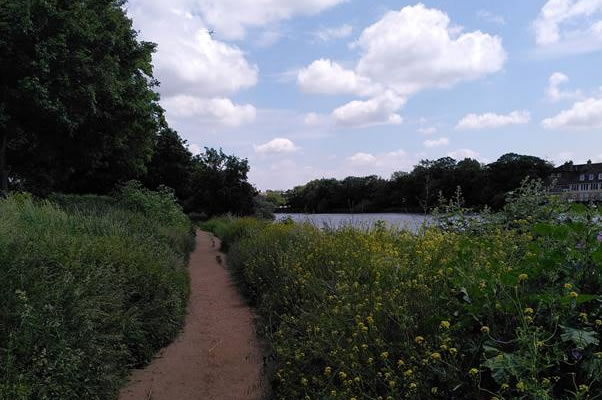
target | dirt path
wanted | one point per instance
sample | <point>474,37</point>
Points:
<point>217,356</point>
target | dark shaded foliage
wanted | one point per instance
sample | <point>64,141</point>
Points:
<point>419,191</point>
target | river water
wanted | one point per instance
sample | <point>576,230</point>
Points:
<point>400,221</point>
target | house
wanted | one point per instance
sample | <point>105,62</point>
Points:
<point>582,183</point>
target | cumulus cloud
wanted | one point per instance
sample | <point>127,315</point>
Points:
<point>491,120</point>
<point>554,92</point>
<point>339,32</point>
<point>231,18</point>
<point>406,51</point>
<point>195,69</point>
<point>189,59</point>
<point>436,142</point>
<point>383,163</point>
<point>464,153</point>
<point>216,110</point>
<point>277,146</point>
<point>570,25</point>
<point>585,114</point>
<point>380,110</point>
<point>417,48</point>
<point>328,77</point>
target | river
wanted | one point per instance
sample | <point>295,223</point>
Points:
<point>401,221</point>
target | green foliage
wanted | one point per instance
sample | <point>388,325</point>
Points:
<point>262,208</point>
<point>171,165</point>
<point>231,230</point>
<point>419,190</point>
<point>495,307</point>
<point>89,287</point>
<point>220,185</point>
<point>78,106</point>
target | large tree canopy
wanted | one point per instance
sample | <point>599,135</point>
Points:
<point>78,110</point>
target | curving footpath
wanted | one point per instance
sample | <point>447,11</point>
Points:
<point>217,356</point>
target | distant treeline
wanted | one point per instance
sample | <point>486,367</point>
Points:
<point>80,113</point>
<point>419,190</point>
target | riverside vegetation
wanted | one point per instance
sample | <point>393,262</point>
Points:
<point>90,286</point>
<point>504,306</point>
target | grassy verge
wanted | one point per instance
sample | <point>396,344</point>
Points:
<point>89,287</point>
<point>504,306</point>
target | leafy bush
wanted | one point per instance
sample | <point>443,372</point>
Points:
<point>231,230</point>
<point>503,308</point>
<point>89,287</point>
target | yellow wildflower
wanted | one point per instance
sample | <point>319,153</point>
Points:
<point>523,277</point>
<point>436,356</point>
<point>568,286</point>
<point>573,294</point>
<point>528,310</point>
<point>520,386</point>
<point>419,339</point>
<point>445,324</point>
<point>485,330</point>
<point>473,372</point>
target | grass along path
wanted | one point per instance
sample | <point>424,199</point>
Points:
<point>217,355</point>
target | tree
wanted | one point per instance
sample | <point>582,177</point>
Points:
<point>219,184</point>
<point>78,110</point>
<point>507,173</point>
<point>171,164</point>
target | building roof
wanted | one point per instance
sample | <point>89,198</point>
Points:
<point>569,173</point>
<point>580,168</point>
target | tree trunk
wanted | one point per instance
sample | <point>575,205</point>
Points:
<point>3,170</point>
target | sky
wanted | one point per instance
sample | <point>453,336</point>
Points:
<point>306,89</point>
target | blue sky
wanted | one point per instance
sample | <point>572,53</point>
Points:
<point>329,88</point>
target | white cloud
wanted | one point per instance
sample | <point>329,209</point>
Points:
<point>231,18</point>
<point>195,149</point>
<point>382,164</point>
<point>216,110</point>
<point>362,159</point>
<point>315,119</point>
<point>277,146</point>
<point>339,32</point>
<point>417,48</point>
<point>464,153</point>
<point>327,77</point>
<point>380,110</point>
<point>406,51</point>
<point>491,120</point>
<point>554,93</point>
<point>585,114</point>
<point>436,142</point>
<point>491,17</point>
<point>194,68</point>
<point>189,60</point>
<point>427,130</point>
<point>569,25</point>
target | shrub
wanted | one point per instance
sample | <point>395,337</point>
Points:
<point>89,287</point>
<point>502,308</point>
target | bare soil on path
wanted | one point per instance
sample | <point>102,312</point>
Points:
<point>217,355</point>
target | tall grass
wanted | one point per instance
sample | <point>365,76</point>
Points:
<point>503,306</point>
<point>89,287</point>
